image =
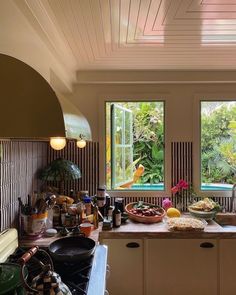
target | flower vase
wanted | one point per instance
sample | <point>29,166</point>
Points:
<point>179,203</point>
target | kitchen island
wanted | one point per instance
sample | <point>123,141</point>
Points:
<point>148,259</point>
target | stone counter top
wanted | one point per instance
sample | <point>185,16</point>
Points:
<point>45,241</point>
<point>159,230</point>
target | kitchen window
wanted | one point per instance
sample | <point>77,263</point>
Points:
<point>135,145</point>
<point>218,145</point>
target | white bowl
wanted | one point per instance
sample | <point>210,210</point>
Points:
<point>202,214</point>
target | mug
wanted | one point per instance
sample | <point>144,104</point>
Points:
<point>86,228</point>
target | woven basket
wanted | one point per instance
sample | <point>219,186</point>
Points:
<point>143,219</point>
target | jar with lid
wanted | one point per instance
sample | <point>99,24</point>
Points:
<point>63,213</point>
<point>81,211</point>
<point>67,219</point>
<point>56,215</point>
<point>83,194</point>
<point>88,205</point>
<point>95,216</point>
<point>120,204</point>
<point>101,197</point>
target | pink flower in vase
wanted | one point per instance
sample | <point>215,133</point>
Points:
<point>166,203</point>
<point>177,189</point>
<point>182,184</point>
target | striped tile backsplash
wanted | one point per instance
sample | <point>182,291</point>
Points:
<point>19,161</point>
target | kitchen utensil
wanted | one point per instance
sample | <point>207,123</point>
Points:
<point>50,201</point>
<point>34,225</point>
<point>72,249</point>
<point>144,219</point>
<point>48,281</point>
<point>40,204</point>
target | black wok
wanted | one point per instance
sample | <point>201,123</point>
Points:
<point>72,249</point>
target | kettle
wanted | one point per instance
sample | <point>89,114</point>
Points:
<point>48,281</point>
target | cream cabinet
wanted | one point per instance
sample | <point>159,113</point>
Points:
<point>227,262</point>
<point>125,258</point>
<point>180,267</point>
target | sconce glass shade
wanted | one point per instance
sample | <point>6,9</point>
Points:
<point>57,143</point>
<point>81,143</point>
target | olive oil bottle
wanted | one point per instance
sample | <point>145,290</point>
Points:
<point>116,216</point>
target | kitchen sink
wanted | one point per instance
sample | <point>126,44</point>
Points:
<point>229,227</point>
<point>226,219</point>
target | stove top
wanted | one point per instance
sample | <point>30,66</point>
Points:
<point>75,275</point>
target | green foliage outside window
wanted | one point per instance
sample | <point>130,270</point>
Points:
<point>147,140</point>
<point>218,142</point>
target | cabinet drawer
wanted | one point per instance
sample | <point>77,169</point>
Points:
<point>125,257</point>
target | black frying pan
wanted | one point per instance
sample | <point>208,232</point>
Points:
<point>71,249</point>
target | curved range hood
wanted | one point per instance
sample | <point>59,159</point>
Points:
<point>29,108</point>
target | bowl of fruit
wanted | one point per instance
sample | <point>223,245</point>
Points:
<point>144,212</point>
<point>204,209</point>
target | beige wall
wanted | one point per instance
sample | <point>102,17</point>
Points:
<point>20,40</point>
<point>179,99</point>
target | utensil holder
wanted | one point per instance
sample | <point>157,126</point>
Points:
<point>34,225</point>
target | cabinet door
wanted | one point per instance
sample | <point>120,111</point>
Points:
<point>227,254</point>
<point>125,258</point>
<point>180,267</point>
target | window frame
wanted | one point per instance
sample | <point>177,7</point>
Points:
<point>102,134</point>
<point>122,145</point>
<point>203,97</point>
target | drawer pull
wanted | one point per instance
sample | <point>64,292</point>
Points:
<point>206,245</point>
<point>133,245</point>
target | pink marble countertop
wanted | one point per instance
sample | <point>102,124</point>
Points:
<point>160,230</point>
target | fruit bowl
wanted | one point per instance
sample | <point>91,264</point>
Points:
<point>206,215</point>
<point>205,208</point>
<point>131,209</point>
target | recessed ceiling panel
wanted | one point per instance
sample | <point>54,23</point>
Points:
<point>142,34</point>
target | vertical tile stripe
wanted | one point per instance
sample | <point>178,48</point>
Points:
<point>181,168</point>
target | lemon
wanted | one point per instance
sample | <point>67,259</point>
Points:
<point>173,212</point>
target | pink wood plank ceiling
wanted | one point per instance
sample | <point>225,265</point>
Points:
<point>140,34</point>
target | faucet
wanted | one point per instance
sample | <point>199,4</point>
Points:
<point>232,197</point>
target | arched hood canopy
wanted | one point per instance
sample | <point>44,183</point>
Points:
<point>29,107</point>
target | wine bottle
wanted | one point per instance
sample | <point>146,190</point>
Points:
<point>116,216</point>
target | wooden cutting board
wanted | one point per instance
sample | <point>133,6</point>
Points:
<point>8,243</point>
